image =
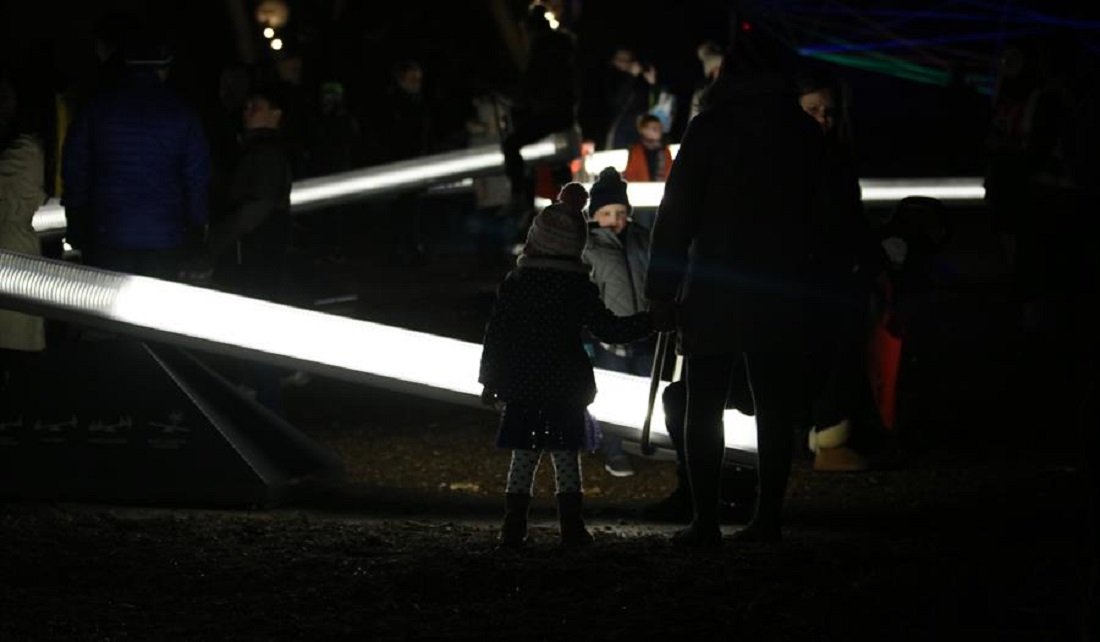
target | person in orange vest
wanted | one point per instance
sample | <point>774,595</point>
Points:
<point>650,159</point>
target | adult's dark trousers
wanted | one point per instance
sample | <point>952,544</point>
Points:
<point>674,402</point>
<point>158,263</point>
<point>780,396</point>
<point>529,129</point>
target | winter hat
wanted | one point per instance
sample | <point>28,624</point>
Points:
<point>557,231</point>
<point>609,188</point>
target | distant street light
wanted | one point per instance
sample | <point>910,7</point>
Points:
<point>269,33</point>
<point>277,44</point>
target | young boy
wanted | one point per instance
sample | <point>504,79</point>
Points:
<point>249,244</point>
<point>650,159</point>
<point>254,235</point>
<point>618,251</point>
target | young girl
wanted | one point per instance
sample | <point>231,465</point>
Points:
<point>535,368</point>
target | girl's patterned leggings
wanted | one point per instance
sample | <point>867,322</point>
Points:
<point>567,470</point>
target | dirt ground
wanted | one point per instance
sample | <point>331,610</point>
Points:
<point>978,532</point>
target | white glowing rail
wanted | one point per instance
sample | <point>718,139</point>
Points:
<point>418,172</point>
<point>875,190</point>
<point>326,344</point>
<point>315,193</point>
<point>459,166</point>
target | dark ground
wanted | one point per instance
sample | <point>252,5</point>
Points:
<point>979,532</point>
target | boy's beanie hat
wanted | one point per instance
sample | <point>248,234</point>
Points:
<point>609,188</point>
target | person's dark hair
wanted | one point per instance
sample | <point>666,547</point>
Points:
<point>645,119</point>
<point>754,57</point>
<point>922,221</point>
<point>811,79</point>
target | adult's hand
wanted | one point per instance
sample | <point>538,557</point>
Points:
<point>664,315</point>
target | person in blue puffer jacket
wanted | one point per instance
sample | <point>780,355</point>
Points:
<point>136,170</point>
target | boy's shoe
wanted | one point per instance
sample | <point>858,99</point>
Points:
<point>619,465</point>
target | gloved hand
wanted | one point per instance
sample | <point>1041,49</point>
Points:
<point>664,315</point>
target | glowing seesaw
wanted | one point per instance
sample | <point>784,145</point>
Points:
<point>875,190</point>
<point>345,187</point>
<point>361,351</point>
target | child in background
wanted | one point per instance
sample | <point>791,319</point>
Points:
<point>618,251</point>
<point>650,158</point>
<point>535,369</point>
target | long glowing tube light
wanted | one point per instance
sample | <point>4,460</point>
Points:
<point>944,189</point>
<point>332,345</point>
<point>875,190</point>
<point>616,158</point>
<point>344,187</point>
<point>418,172</point>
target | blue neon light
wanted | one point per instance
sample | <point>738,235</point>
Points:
<point>907,43</point>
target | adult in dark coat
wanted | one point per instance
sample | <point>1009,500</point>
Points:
<point>1084,165</point>
<point>732,245</point>
<point>403,130</point>
<point>546,104</point>
<point>136,171</point>
<point>847,260</point>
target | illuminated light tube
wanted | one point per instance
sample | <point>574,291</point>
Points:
<point>944,189</point>
<point>418,172</point>
<point>875,190</point>
<point>616,158</point>
<point>315,193</point>
<point>621,401</point>
<point>361,351</point>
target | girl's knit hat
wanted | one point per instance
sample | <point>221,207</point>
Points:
<point>558,230</point>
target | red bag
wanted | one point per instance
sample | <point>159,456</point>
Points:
<point>884,364</point>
